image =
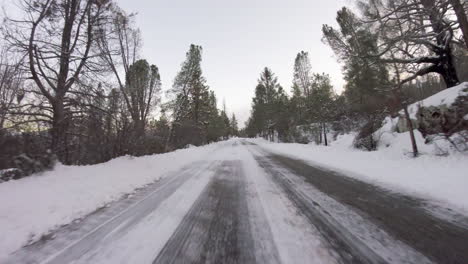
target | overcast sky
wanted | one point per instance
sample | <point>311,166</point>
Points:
<point>239,39</point>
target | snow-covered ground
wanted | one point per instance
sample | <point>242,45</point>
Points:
<point>32,206</point>
<point>445,97</point>
<point>441,179</point>
<point>387,135</point>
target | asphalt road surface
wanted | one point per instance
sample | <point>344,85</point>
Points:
<point>247,205</point>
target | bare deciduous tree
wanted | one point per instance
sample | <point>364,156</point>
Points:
<point>11,81</point>
<point>461,17</point>
<point>57,37</point>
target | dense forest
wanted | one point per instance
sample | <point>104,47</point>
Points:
<point>74,87</point>
<point>393,52</point>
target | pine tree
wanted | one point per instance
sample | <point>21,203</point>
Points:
<point>297,107</point>
<point>215,124</point>
<point>191,107</point>
<point>282,115</point>
<point>319,105</point>
<point>226,124</point>
<point>143,84</point>
<point>365,77</point>
<point>234,126</point>
<point>263,121</point>
<point>302,73</point>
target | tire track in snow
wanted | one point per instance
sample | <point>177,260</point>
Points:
<point>286,236</point>
<point>217,228</point>
<point>402,217</point>
<point>343,243</point>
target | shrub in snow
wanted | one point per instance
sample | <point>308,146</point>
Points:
<point>28,166</point>
<point>10,174</point>
<point>365,139</point>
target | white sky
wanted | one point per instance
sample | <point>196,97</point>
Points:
<point>239,39</point>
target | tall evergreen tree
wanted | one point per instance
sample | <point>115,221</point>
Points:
<point>302,73</point>
<point>319,105</point>
<point>191,105</point>
<point>366,78</point>
<point>282,115</point>
<point>264,105</point>
<point>234,126</point>
<point>143,84</point>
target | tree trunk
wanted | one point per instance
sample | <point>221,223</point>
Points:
<point>58,131</point>
<point>411,130</point>
<point>447,69</point>
<point>137,137</point>
<point>320,134</point>
<point>461,17</point>
<point>325,134</point>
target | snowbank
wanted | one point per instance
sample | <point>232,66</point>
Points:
<point>387,134</point>
<point>439,179</point>
<point>32,206</point>
<point>446,97</point>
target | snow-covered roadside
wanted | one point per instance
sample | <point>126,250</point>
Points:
<point>32,206</point>
<point>443,180</point>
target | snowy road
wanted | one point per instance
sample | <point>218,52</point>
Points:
<point>247,205</point>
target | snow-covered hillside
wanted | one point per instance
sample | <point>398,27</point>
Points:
<point>445,97</point>
<point>388,134</point>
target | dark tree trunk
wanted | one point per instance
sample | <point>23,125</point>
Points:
<point>58,131</point>
<point>325,134</point>
<point>320,134</point>
<point>137,139</point>
<point>461,17</point>
<point>446,67</point>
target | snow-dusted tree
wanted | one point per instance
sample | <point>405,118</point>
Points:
<point>302,73</point>
<point>416,34</point>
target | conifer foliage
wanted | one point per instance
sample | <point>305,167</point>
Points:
<point>196,119</point>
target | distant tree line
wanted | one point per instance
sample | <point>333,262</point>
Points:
<point>74,86</point>
<point>395,52</point>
